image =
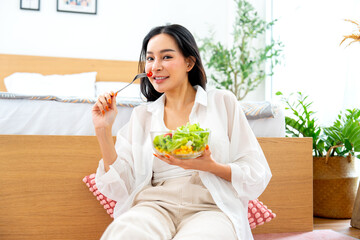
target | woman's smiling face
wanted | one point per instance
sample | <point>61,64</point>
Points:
<point>168,65</point>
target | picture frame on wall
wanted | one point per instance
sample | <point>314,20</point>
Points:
<point>30,5</point>
<point>77,6</point>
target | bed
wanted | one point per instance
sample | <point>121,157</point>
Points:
<point>37,115</point>
<point>42,194</point>
<point>36,112</point>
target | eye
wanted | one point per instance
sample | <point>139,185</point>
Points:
<point>149,59</point>
<point>168,57</point>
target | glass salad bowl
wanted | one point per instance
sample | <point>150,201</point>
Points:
<point>185,142</point>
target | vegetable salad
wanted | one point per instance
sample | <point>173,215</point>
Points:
<point>188,140</point>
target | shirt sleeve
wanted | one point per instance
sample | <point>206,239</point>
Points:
<point>250,172</point>
<point>117,183</point>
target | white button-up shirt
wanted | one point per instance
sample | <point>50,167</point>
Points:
<point>231,142</point>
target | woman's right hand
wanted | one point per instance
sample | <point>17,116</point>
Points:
<point>104,111</point>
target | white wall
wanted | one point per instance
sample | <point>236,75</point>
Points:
<point>115,32</point>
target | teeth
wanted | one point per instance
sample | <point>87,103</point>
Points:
<point>159,78</point>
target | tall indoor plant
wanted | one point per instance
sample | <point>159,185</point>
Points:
<point>334,151</point>
<point>355,37</point>
<point>240,67</point>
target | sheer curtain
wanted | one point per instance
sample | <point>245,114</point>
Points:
<point>313,61</point>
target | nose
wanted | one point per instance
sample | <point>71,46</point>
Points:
<point>157,66</point>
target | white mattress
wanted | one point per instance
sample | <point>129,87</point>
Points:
<point>42,117</point>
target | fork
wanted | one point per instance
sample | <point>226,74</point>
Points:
<point>140,75</point>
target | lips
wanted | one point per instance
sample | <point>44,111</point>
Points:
<point>159,79</point>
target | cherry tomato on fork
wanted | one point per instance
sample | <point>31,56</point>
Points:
<point>168,134</point>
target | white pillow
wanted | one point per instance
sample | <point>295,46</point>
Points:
<point>132,91</point>
<point>69,85</point>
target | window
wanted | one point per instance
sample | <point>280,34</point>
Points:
<point>314,63</point>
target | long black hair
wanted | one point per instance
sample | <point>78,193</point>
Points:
<point>188,47</point>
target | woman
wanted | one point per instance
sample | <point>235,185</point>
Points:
<point>164,197</point>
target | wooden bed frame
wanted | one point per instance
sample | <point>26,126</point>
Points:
<point>42,195</point>
<point>108,70</point>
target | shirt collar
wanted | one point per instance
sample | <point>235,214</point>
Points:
<point>200,98</point>
<point>157,104</point>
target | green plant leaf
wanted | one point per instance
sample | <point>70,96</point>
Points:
<point>353,131</point>
<point>348,145</point>
<point>357,145</point>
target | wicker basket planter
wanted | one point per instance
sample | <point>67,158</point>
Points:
<point>335,186</point>
<point>355,219</point>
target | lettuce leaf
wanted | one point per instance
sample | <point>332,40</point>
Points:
<point>189,134</point>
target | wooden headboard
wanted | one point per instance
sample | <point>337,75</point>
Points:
<point>108,70</point>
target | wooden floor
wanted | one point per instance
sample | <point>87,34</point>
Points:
<point>339,225</point>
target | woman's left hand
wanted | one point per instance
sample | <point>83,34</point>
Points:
<point>204,162</point>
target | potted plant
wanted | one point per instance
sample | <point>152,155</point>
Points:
<point>335,176</point>
<point>334,151</point>
<point>303,122</point>
<point>240,67</point>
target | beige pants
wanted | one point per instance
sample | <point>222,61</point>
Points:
<point>180,208</point>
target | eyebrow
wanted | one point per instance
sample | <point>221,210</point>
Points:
<point>162,51</point>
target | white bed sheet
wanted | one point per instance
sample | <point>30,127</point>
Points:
<point>39,117</point>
